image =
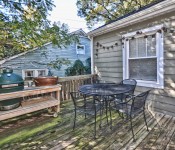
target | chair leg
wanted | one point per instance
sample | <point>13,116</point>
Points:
<point>145,120</point>
<point>133,136</point>
<point>95,126</point>
<point>75,119</point>
<point>110,116</point>
<point>106,103</point>
<point>120,114</point>
<point>100,117</point>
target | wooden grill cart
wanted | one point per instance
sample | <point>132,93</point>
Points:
<point>33,99</point>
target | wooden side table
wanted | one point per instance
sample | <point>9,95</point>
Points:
<point>34,99</point>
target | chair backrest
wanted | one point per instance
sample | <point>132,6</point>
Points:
<point>130,82</point>
<point>138,102</point>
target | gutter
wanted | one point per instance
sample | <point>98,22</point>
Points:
<point>154,11</point>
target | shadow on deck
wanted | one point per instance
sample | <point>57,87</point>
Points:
<point>40,131</point>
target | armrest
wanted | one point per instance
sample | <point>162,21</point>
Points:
<point>127,100</point>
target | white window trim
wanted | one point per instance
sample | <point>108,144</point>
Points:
<point>159,55</point>
<point>78,50</point>
<point>35,72</point>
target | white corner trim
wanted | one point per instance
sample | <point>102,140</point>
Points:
<point>92,56</point>
<point>154,11</point>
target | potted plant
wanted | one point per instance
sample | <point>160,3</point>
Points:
<point>45,81</point>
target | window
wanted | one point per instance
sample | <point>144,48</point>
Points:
<point>143,57</point>
<point>80,49</point>
<point>30,73</point>
<point>41,72</point>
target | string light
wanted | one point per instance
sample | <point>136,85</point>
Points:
<point>172,31</point>
<point>163,29</point>
<point>159,31</point>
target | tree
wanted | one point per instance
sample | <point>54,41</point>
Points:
<point>24,25</point>
<point>88,65</point>
<point>78,68</point>
<point>95,11</point>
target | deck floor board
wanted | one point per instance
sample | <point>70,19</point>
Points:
<point>60,135</point>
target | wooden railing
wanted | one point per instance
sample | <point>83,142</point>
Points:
<point>72,83</point>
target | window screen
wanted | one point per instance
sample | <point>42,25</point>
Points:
<point>80,49</point>
<point>142,58</point>
<point>143,69</point>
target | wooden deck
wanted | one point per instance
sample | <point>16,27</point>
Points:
<point>40,131</point>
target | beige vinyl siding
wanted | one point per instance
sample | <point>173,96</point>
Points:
<point>111,69</point>
<point>110,66</point>
<point>109,61</point>
<point>169,48</point>
<point>111,79</point>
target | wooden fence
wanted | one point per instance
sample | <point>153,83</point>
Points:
<point>72,83</point>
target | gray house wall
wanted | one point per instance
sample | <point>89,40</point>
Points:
<point>52,52</point>
<point>109,63</point>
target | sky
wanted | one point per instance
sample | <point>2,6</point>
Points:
<point>66,12</point>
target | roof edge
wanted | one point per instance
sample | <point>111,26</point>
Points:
<point>21,54</point>
<point>151,12</point>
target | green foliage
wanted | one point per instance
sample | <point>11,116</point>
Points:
<point>95,11</point>
<point>57,64</point>
<point>78,68</point>
<point>24,25</point>
<point>88,66</point>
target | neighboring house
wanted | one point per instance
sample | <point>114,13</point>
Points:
<point>140,45</point>
<point>28,64</point>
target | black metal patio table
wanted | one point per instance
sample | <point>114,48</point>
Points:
<point>104,91</point>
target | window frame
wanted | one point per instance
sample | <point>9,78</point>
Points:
<point>78,51</point>
<point>41,70</point>
<point>159,55</point>
<point>35,72</point>
<point>25,77</point>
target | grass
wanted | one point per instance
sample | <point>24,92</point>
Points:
<point>22,133</point>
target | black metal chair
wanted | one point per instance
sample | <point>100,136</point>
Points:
<point>130,108</point>
<point>86,106</point>
<point>129,82</point>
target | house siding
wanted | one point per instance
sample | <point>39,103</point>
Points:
<point>52,52</point>
<point>109,63</point>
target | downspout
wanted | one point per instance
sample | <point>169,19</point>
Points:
<point>92,56</point>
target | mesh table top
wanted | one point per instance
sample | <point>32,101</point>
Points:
<point>104,89</point>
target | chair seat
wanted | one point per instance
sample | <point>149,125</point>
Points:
<point>89,108</point>
<point>131,107</point>
<point>126,109</point>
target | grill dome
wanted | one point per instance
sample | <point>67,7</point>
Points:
<point>10,82</point>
